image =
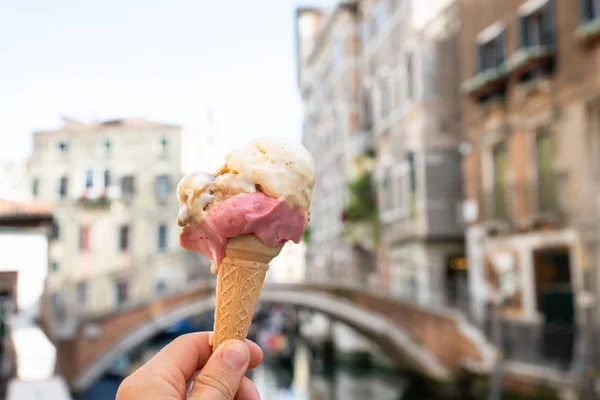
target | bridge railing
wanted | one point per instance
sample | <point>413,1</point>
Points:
<point>145,279</point>
<point>163,275</point>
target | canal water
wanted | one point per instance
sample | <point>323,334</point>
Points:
<point>300,381</point>
<point>297,380</point>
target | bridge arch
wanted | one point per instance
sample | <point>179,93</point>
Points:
<point>386,333</point>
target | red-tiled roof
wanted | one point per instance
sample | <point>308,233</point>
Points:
<point>76,126</point>
<point>23,209</point>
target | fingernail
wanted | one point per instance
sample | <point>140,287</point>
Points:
<point>234,353</point>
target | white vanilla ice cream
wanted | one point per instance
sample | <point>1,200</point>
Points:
<point>278,167</point>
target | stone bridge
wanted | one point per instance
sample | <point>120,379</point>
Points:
<point>439,344</point>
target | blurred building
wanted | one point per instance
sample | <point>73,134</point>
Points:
<point>328,77</point>
<point>381,84</point>
<point>112,186</point>
<point>290,265</point>
<point>531,167</point>
<point>409,89</point>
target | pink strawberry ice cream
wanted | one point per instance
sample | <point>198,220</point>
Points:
<point>264,188</point>
<point>273,221</point>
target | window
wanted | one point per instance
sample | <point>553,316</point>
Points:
<point>412,177</point>
<point>63,146</point>
<point>89,178</point>
<point>380,15</point>
<point>124,238</point>
<point>107,178</point>
<point>162,237</point>
<point>107,147</point>
<point>54,231</point>
<point>164,146</point>
<point>545,168</point>
<point>162,187</point>
<point>35,187</point>
<point>161,286</point>
<point>410,79</point>
<point>499,163</point>
<point>122,292</point>
<point>128,186</point>
<point>536,28</point>
<point>58,306</point>
<point>84,238</point>
<point>53,266</point>
<point>388,195</point>
<point>384,90</point>
<point>337,49</point>
<point>490,54</point>
<point>588,10</point>
<point>364,33</point>
<point>367,109</point>
<point>82,294</point>
<point>63,187</point>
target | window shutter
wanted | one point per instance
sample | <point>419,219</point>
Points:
<point>479,57</point>
<point>586,10</point>
<point>523,34</point>
<point>548,23</point>
<point>500,48</point>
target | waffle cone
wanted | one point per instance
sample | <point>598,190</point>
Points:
<point>239,280</point>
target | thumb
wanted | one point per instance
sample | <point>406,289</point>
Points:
<point>220,378</point>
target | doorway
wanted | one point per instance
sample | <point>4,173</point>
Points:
<point>457,282</point>
<point>555,303</point>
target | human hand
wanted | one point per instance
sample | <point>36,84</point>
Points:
<point>221,374</point>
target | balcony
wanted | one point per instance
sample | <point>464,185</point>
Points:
<point>100,201</point>
<point>588,32</point>
<point>360,213</point>
<point>530,61</point>
<point>526,205</point>
<point>487,84</point>
<point>99,197</point>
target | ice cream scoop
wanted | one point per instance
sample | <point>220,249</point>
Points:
<point>271,220</point>
<point>263,188</point>
<point>279,168</point>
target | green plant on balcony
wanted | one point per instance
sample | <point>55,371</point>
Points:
<point>360,212</point>
<point>102,201</point>
<point>370,153</point>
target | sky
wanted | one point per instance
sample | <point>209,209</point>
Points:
<point>170,61</point>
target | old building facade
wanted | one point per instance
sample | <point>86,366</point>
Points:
<point>328,67</point>
<point>112,187</point>
<point>395,104</point>
<point>530,165</point>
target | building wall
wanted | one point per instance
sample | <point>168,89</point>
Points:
<point>563,104</point>
<point>408,58</point>
<point>329,87</point>
<point>135,150</point>
<point>392,90</point>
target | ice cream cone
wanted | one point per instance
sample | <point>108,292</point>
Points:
<point>239,280</point>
